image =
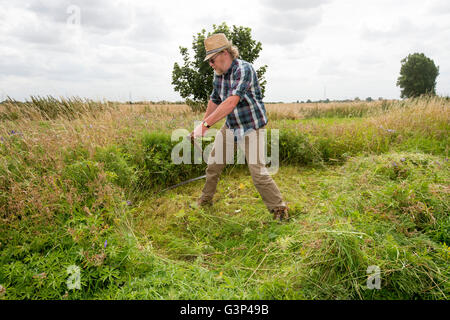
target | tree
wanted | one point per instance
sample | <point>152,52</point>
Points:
<point>417,76</point>
<point>194,80</point>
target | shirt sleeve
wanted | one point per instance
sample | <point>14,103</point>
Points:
<point>242,80</point>
<point>215,96</point>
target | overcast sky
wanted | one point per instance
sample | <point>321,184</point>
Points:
<point>334,49</point>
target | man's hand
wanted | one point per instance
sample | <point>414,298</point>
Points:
<point>199,131</point>
<point>218,114</point>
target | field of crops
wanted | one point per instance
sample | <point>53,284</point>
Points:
<point>367,184</point>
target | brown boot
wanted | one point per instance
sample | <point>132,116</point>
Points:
<point>280,213</point>
<point>203,203</point>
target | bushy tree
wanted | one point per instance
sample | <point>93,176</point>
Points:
<point>194,79</point>
<point>417,76</point>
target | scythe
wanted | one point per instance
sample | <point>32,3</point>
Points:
<point>195,144</point>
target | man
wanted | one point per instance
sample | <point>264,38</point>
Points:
<point>236,96</point>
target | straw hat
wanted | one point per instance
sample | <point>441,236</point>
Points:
<point>216,43</point>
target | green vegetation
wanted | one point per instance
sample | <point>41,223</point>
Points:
<point>366,191</point>
<point>418,75</point>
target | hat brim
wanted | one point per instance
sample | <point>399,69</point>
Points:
<point>211,53</point>
<point>209,56</point>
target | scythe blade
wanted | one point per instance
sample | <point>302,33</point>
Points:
<point>195,144</point>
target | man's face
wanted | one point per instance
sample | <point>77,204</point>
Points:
<point>219,62</point>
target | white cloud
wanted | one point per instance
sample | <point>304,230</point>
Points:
<point>280,36</point>
<point>99,16</point>
<point>287,5</point>
<point>404,28</point>
<point>439,7</point>
<point>347,48</point>
<point>287,23</point>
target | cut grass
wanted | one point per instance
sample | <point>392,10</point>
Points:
<point>337,230</point>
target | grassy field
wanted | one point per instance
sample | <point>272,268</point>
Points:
<point>367,184</point>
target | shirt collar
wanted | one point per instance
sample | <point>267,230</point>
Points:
<point>233,64</point>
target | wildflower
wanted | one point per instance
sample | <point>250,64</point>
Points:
<point>106,243</point>
<point>14,132</point>
<point>390,130</point>
<point>394,164</point>
<point>402,159</point>
<point>129,202</point>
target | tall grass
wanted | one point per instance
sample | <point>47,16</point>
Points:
<point>47,108</point>
<point>348,109</point>
<point>329,110</point>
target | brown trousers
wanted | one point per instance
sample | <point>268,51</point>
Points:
<point>224,148</point>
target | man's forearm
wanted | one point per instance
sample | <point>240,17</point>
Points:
<point>210,109</point>
<point>222,110</point>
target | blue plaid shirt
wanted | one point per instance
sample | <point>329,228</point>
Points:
<point>241,80</point>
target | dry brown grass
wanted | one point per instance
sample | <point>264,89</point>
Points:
<point>428,116</point>
<point>304,110</point>
<point>91,131</point>
<point>158,109</point>
<point>30,144</point>
<point>118,125</point>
